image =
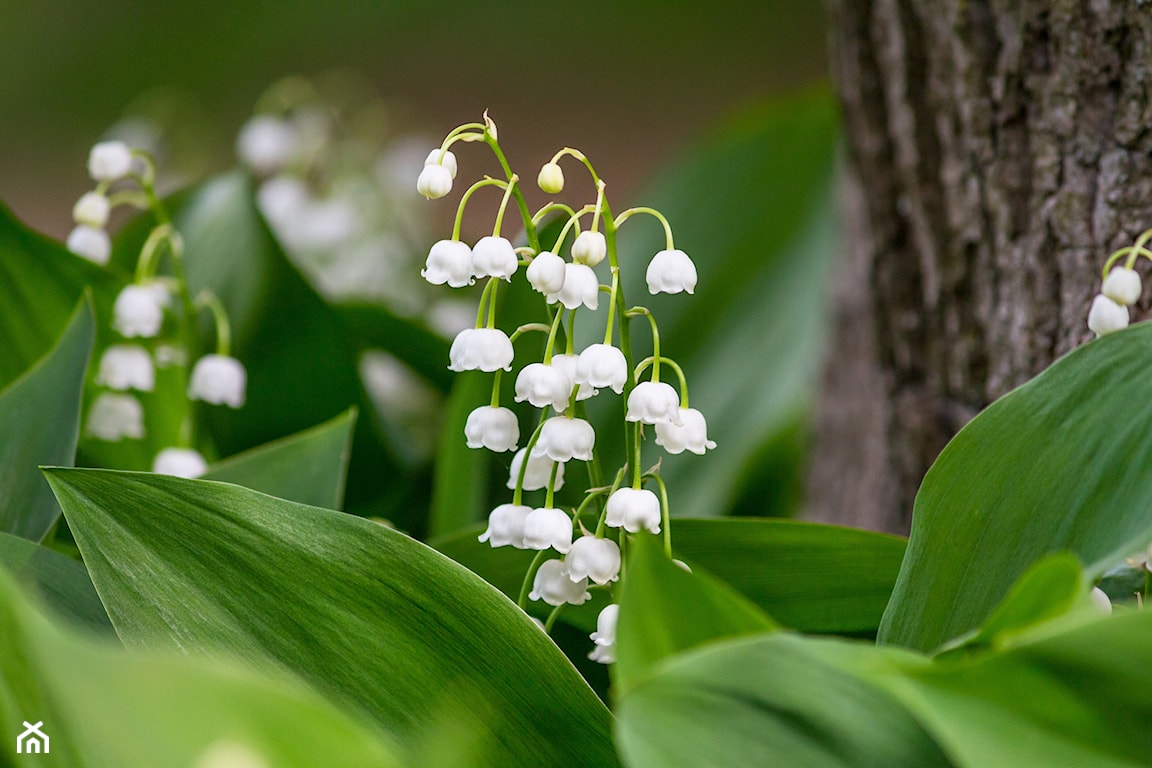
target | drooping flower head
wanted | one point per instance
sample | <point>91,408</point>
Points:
<point>218,379</point>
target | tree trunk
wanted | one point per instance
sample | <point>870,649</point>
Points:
<point>997,152</point>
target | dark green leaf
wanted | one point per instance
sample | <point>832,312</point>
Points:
<point>1058,464</point>
<point>61,582</point>
<point>39,424</point>
<point>665,610</point>
<point>375,326</point>
<point>100,705</point>
<point>309,467</point>
<point>366,614</point>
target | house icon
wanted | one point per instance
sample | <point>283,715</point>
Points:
<point>33,741</point>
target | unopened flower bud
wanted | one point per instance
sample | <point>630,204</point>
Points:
<point>553,586</point>
<point>589,248</point>
<point>551,178</point>
<point>1122,285</point>
<point>671,272</point>
<point>180,462</point>
<point>448,161</point>
<point>594,559</point>
<point>90,243</point>
<point>493,428</point>
<point>109,161</point>
<point>218,379</point>
<point>434,182</point>
<point>1106,316</point>
<point>92,210</point>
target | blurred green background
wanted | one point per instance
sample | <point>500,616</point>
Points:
<point>627,82</point>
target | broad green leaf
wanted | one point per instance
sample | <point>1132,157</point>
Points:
<point>39,424</point>
<point>810,577</point>
<point>752,206</point>
<point>309,467</point>
<point>461,473</point>
<point>1057,464</point>
<point>665,610</point>
<point>767,700</point>
<point>102,706</point>
<point>40,285</point>
<point>61,582</point>
<point>367,615</point>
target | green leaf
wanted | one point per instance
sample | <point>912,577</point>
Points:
<point>308,467</point>
<point>376,327</point>
<point>100,705</point>
<point>767,700</point>
<point>40,422</point>
<point>665,610</point>
<point>752,206</point>
<point>461,473</point>
<point>1057,464</point>
<point>367,615</point>
<point>40,285</point>
<point>61,582</point>
<point>810,577</point>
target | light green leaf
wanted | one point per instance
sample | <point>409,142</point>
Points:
<point>367,615</point>
<point>665,610</point>
<point>100,705</point>
<point>814,578</point>
<point>61,582</point>
<point>40,285</point>
<point>767,700</point>
<point>308,467</point>
<point>39,424</point>
<point>1058,464</point>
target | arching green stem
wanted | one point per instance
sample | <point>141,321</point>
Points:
<point>518,492</point>
<point>526,586</point>
<point>210,301</point>
<point>487,181</point>
<point>529,225</point>
<point>552,337</point>
<point>636,312</point>
<point>623,217</point>
<point>674,366</point>
<point>666,514</point>
<point>504,204</point>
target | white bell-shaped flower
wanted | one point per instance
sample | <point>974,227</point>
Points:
<point>109,161</point>
<point>653,402</point>
<point>543,385</point>
<point>690,435</point>
<point>449,261</point>
<point>114,417</point>
<point>1106,316</point>
<point>494,257</point>
<point>580,287</point>
<point>267,143</point>
<point>434,182</point>
<point>139,310</point>
<point>493,428</point>
<point>589,248</point>
<point>602,365</point>
<point>448,161</point>
<point>92,210</point>
<point>603,654</point>
<point>671,272</point>
<point>563,439</point>
<point>284,200</point>
<point>594,559</point>
<point>483,349</point>
<point>1100,600</point>
<point>90,243</point>
<point>1122,285</point>
<point>180,462</point>
<point>605,635</point>
<point>551,178</point>
<point>506,526</point>
<point>218,379</point>
<point>546,527</point>
<point>553,586</point>
<point>538,472</point>
<point>633,509</point>
<point>126,366</point>
<point>546,273</point>
<point>567,363</point>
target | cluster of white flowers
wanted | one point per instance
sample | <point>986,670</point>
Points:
<point>589,557</point>
<point>1120,288</point>
<point>141,313</point>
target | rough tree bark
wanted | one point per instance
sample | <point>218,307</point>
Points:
<point>997,152</point>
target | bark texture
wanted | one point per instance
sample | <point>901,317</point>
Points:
<point>997,152</point>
